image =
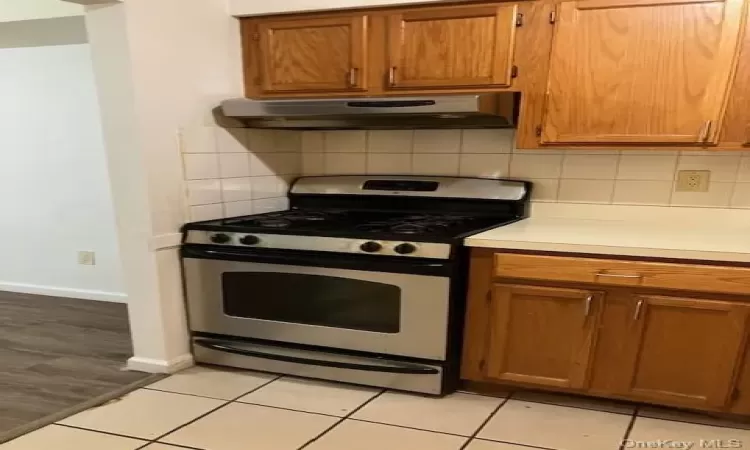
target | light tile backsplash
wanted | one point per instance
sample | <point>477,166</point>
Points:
<point>235,171</point>
<point>630,177</point>
<point>232,172</point>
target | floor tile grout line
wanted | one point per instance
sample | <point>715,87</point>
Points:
<point>484,422</point>
<point>717,425</point>
<point>147,441</point>
<point>342,419</point>
<point>407,427</point>
<point>517,444</point>
<point>287,409</point>
<point>176,446</point>
<point>156,440</point>
<point>629,428</point>
<point>512,397</point>
<point>185,393</point>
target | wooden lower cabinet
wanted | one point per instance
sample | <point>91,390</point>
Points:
<point>542,335</point>
<point>684,349</point>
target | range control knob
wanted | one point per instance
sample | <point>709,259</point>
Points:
<point>370,247</point>
<point>249,240</point>
<point>220,238</point>
<point>405,248</point>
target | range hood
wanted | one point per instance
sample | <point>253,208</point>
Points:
<point>448,111</point>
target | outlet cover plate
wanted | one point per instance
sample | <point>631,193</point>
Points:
<point>693,180</point>
<point>86,258</point>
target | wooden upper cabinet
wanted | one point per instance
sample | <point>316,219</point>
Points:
<point>736,129</point>
<point>684,351</point>
<point>641,71</point>
<point>456,46</point>
<point>542,336</point>
<point>326,54</point>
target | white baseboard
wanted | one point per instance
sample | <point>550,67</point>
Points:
<point>159,365</point>
<point>87,294</point>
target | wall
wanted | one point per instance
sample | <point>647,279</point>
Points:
<point>159,74</point>
<point>12,10</point>
<point>255,7</point>
<point>234,172</point>
<point>54,186</point>
<point>643,177</point>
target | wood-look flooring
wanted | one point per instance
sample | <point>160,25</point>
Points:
<point>56,353</point>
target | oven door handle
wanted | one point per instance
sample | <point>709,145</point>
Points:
<point>401,368</point>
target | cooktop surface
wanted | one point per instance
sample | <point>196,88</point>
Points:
<point>365,224</point>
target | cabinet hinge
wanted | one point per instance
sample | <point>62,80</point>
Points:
<point>519,20</point>
<point>538,130</point>
<point>514,71</point>
<point>552,16</point>
<point>256,36</point>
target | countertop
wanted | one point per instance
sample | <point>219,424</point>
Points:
<point>682,233</point>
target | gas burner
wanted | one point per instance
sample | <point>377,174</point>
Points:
<point>373,226</point>
<point>410,228</point>
<point>307,215</point>
<point>273,222</point>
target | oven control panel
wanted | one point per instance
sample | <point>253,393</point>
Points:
<point>321,244</point>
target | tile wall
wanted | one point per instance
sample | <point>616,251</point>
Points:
<point>642,177</point>
<point>236,171</point>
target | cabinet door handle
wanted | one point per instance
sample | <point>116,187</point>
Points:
<point>747,135</point>
<point>705,131</point>
<point>392,76</point>
<point>616,275</point>
<point>587,305</point>
<point>353,77</point>
<point>637,313</point>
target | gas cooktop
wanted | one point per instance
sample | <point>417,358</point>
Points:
<point>432,226</point>
<point>378,215</point>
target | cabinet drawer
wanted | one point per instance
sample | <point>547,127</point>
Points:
<point>691,277</point>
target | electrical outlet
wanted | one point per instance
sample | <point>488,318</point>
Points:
<point>693,180</point>
<point>86,258</point>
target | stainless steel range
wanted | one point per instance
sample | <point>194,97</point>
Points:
<point>362,280</point>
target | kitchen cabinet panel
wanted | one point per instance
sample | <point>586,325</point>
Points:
<point>541,335</point>
<point>319,54</point>
<point>452,46</point>
<point>641,71</point>
<point>736,129</point>
<point>684,351</point>
<point>674,346</point>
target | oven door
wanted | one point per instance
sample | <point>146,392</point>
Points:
<point>395,306</point>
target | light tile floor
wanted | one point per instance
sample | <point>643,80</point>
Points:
<point>220,409</point>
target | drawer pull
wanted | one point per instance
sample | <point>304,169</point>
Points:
<point>353,77</point>
<point>392,76</point>
<point>617,275</point>
<point>638,307</point>
<point>587,305</point>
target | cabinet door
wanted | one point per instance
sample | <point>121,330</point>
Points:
<point>736,129</point>
<point>543,336</point>
<point>451,47</point>
<point>641,71</point>
<point>313,55</point>
<point>684,351</point>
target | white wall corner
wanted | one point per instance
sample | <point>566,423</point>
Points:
<point>160,366</point>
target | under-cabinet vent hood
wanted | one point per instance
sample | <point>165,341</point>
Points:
<point>449,111</point>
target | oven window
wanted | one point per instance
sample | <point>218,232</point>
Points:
<point>313,300</point>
